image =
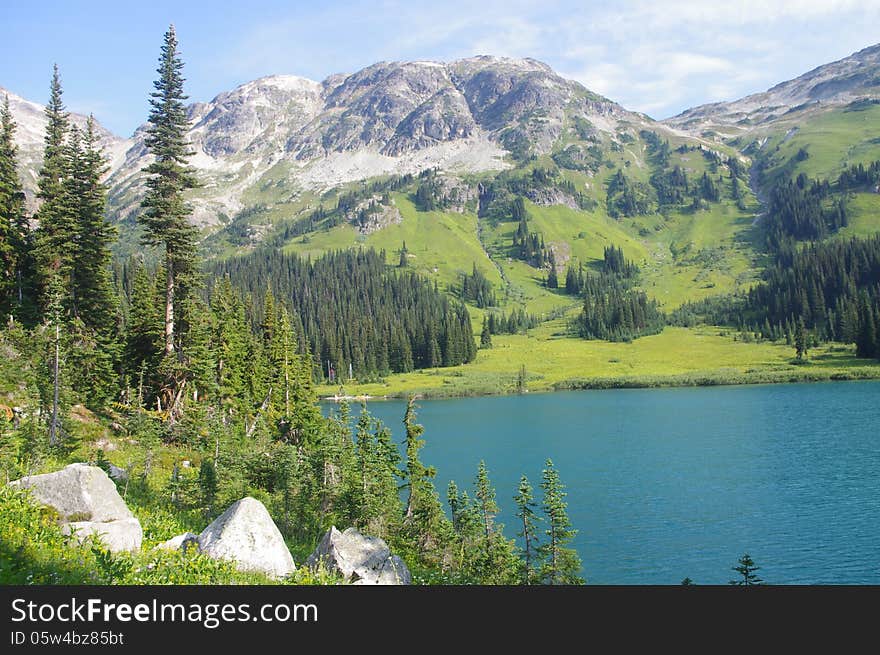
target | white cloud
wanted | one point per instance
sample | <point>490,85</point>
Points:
<point>652,56</point>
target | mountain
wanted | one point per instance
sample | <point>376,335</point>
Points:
<point>509,187</point>
<point>30,131</point>
<point>852,79</point>
<point>297,135</point>
<point>318,166</point>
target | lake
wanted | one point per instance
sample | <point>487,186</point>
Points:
<point>665,484</point>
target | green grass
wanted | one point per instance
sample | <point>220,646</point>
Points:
<point>676,356</point>
<point>834,140</point>
<point>864,216</point>
<point>441,245</point>
<point>33,551</point>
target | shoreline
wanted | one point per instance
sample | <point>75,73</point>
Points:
<point>681,380</point>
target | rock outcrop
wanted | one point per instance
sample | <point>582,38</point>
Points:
<point>87,502</point>
<point>359,559</point>
<point>247,535</point>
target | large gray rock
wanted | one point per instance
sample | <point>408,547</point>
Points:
<point>358,558</point>
<point>247,535</point>
<point>119,535</point>
<point>78,492</point>
<point>180,542</point>
<point>118,474</point>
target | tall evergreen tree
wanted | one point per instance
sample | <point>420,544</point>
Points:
<point>424,520</point>
<point>93,297</point>
<point>485,496</point>
<point>54,237</point>
<point>800,339</point>
<point>525,511</point>
<point>13,221</point>
<point>166,214</point>
<point>561,564</point>
<point>485,335</point>
<point>416,472</point>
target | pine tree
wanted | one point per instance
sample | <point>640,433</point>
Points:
<point>165,218</point>
<point>423,520</point>
<point>746,568</point>
<point>378,505</point>
<point>800,339</point>
<point>230,345</point>
<point>196,353</point>
<point>561,565</point>
<point>496,561</point>
<point>867,338</point>
<point>416,472</point>
<point>525,504</point>
<point>55,236</point>
<point>93,297</point>
<point>485,496</point>
<point>13,222</point>
<point>453,499</point>
<point>143,333</point>
<point>485,335</point>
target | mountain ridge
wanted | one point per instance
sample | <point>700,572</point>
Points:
<point>832,84</point>
<point>469,115</point>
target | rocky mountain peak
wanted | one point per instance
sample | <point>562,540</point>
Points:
<point>394,117</point>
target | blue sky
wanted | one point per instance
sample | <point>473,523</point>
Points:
<point>653,56</point>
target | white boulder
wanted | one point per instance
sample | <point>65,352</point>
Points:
<point>359,559</point>
<point>78,492</point>
<point>119,535</point>
<point>87,503</point>
<point>247,535</point>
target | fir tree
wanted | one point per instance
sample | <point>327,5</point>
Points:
<point>165,218</point>
<point>746,568</point>
<point>800,339</point>
<point>498,563</point>
<point>416,472</point>
<point>561,564</point>
<point>485,335</point>
<point>525,505</point>
<point>143,333</point>
<point>485,496</point>
<point>453,499</point>
<point>93,298</point>
<point>54,238</point>
<point>13,222</point>
<point>424,520</point>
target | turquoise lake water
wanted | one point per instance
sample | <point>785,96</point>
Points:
<point>665,484</point>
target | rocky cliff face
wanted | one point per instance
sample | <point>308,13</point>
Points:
<point>392,117</point>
